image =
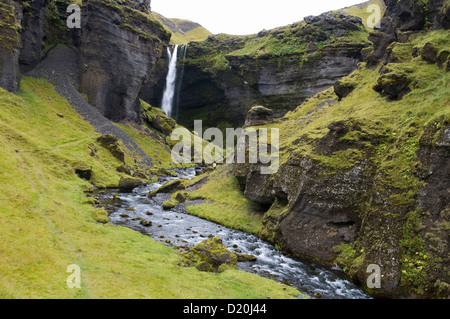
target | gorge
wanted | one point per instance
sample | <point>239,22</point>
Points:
<point>363,117</point>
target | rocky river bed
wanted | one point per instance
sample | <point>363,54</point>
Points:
<point>175,227</point>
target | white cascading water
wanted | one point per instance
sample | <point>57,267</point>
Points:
<point>171,80</point>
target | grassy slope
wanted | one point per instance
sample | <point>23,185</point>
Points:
<point>176,27</point>
<point>47,224</point>
<point>224,202</point>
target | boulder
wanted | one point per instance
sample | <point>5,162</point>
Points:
<point>169,187</point>
<point>429,53</point>
<point>212,255</point>
<point>393,85</point>
<point>126,185</point>
<point>343,88</point>
<point>258,115</point>
<point>169,204</point>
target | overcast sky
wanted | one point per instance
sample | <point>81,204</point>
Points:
<point>245,16</point>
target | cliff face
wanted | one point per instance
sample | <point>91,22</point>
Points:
<point>225,76</point>
<point>10,43</point>
<point>120,47</point>
<point>364,169</point>
<point>119,44</point>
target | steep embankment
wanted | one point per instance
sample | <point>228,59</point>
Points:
<point>364,166</point>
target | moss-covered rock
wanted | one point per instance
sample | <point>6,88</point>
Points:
<point>127,184</point>
<point>212,256</point>
<point>169,204</point>
<point>111,143</point>
<point>169,187</point>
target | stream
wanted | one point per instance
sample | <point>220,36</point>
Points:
<point>177,228</point>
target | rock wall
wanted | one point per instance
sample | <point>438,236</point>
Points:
<point>10,43</point>
<point>119,44</point>
<point>225,76</point>
<point>119,49</point>
<point>354,215</point>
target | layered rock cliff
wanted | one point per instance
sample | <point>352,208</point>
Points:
<point>10,43</point>
<point>225,76</point>
<point>364,166</point>
<point>120,46</point>
<point>119,43</point>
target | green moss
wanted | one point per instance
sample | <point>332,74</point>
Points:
<point>224,202</point>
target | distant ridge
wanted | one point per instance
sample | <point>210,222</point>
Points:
<point>183,31</point>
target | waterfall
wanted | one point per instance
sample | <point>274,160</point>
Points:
<point>171,96</point>
<point>178,84</point>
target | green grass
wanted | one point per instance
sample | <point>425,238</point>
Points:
<point>47,223</point>
<point>224,202</point>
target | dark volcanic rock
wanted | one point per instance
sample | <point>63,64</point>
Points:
<point>127,185</point>
<point>120,46</point>
<point>10,43</point>
<point>405,16</point>
<point>33,33</point>
<point>393,85</point>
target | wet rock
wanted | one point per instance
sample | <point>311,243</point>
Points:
<point>169,204</point>
<point>145,223</point>
<point>126,185</point>
<point>169,187</point>
<point>246,257</point>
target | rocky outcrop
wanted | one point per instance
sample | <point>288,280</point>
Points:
<point>336,200</point>
<point>10,44</point>
<point>404,17</point>
<point>33,33</point>
<point>258,115</point>
<point>120,46</point>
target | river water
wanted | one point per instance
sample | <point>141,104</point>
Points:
<point>177,228</point>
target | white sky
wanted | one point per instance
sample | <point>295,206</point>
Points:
<point>242,17</point>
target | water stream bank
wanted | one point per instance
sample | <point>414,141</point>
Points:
<point>177,228</point>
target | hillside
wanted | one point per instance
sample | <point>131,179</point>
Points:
<point>183,31</point>
<point>362,117</point>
